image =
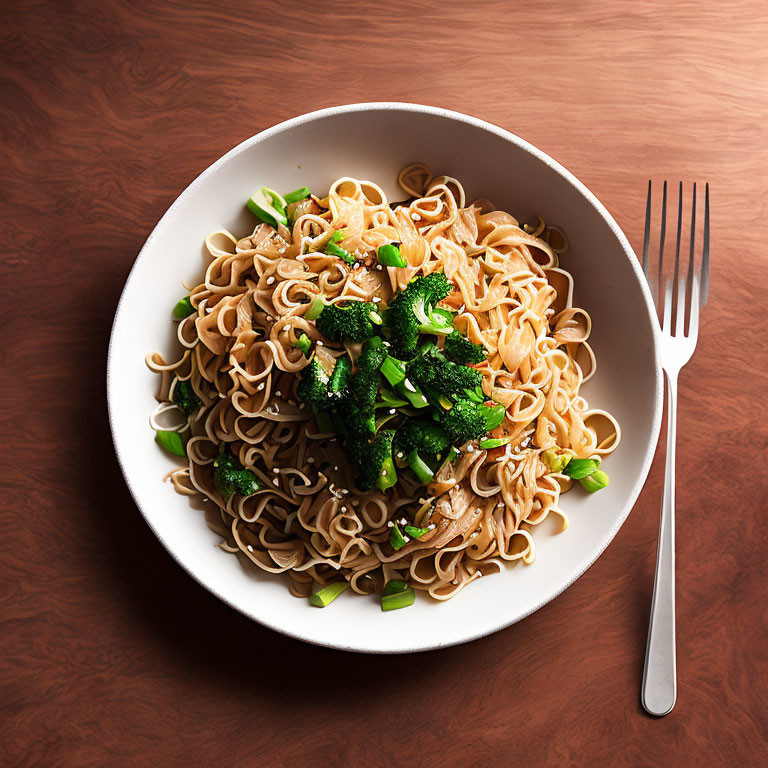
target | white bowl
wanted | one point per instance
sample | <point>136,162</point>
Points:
<point>373,141</point>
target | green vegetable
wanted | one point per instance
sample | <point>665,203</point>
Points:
<point>578,468</point>
<point>372,459</point>
<point>594,482</point>
<point>313,386</point>
<point>326,595</point>
<point>347,323</point>
<point>556,462</point>
<point>315,308</point>
<point>462,350</point>
<point>269,206</point>
<point>186,397</point>
<point>412,394</point>
<point>396,537</point>
<point>413,312</point>
<point>183,309</point>
<point>304,343</point>
<point>358,403</point>
<point>427,437</point>
<point>390,256</point>
<point>388,399</point>
<point>340,375</point>
<point>475,394</point>
<point>336,250</point>
<point>493,442</point>
<point>230,477</point>
<point>414,532</point>
<point>494,416</point>
<point>396,594</point>
<point>393,370</point>
<point>420,468</point>
<point>171,441</point>
<point>325,422</point>
<point>468,420</point>
<point>431,371</point>
<point>296,195</point>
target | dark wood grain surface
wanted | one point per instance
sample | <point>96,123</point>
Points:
<point>110,655</point>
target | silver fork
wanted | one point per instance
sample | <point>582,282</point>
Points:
<point>683,297</point>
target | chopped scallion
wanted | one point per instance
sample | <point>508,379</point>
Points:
<point>414,532</point>
<point>400,599</point>
<point>315,308</point>
<point>396,538</point>
<point>594,482</point>
<point>269,206</point>
<point>420,468</point>
<point>393,370</point>
<point>326,595</point>
<point>495,416</point>
<point>336,250</point>
<point>304,343</point>
<point>494,442</point>
<point>183,309</point>
<point>171,441</point>
<point>579,468</point>
<point>296,195</point>
<point>390,256</point>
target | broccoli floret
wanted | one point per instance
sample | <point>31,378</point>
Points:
<point>465,421</point>
<point>350,323</point>
<point>462,350</point>
<point>435,374</point>
<point>372,460</point>
<point>358,403</point>
<point>427,437</point>
<point>313,387</point>
<point>413,312</point>
<point>186,397</point>
<point>469,420</point>
<point>230,477</point>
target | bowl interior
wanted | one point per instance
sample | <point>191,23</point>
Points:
<point>374,142</point>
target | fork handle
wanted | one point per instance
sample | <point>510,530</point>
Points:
<point>660,674</point>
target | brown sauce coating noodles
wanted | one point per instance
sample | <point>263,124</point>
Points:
<point>307,519</point>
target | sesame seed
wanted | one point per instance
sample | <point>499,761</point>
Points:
<point>343,509</point>
<point>383,472</point>
<point>379,267</point>
<point>376,299</point>
<point>302,405</point>
<point>260,387</point>
<point>270,280</point>
<point>335,468</point>
<point>320,343</point>
<point>416,217</point>
<point>407,384</point>
<point>270,318</point>
<point>400,455</point>
<point>431,526</point>
<point>276,482</point>
<point>345,490</point>
<point>390,524</point>
<point>391,410</point>
<point>276,470</point>
<point>310,460</point>
<point>250,548</point>
<point>470,448</point>
<point>292,403</point>
<point>278,393</point>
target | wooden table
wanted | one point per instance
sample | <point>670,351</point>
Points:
<point>110,655</point>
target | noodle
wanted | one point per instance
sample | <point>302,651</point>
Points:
<point>307,518</point>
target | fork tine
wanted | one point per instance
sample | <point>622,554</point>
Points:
<point>666,316</point>
<point>692,253</point>
<point>693,320</point>
<point>704,296</point>
<point>647,234</point>
<point>680,316</point>
<point>659,282</point>
<point>679,308</point>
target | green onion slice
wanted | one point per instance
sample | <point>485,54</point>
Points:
<point>594,482</point>
<point>296,195</point>
<point>414,532</point>
<point>390,256</point>
<point>326,595</point>
<point>495,442</point>
<point>396,537</point>
<point>391,601</point>
<point>420,468</point>
<point>336,250</point>
<point>495,416</point>
<point>171,441</point>
<point>579,468</point>
<point>304,343</point>
<point>183,309</point>
<point>315,308</point>
<point>388,399</point>
<point>269,206</point>
<point>393,586</point>
<point>412,393</point>
<point>393,370</point>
